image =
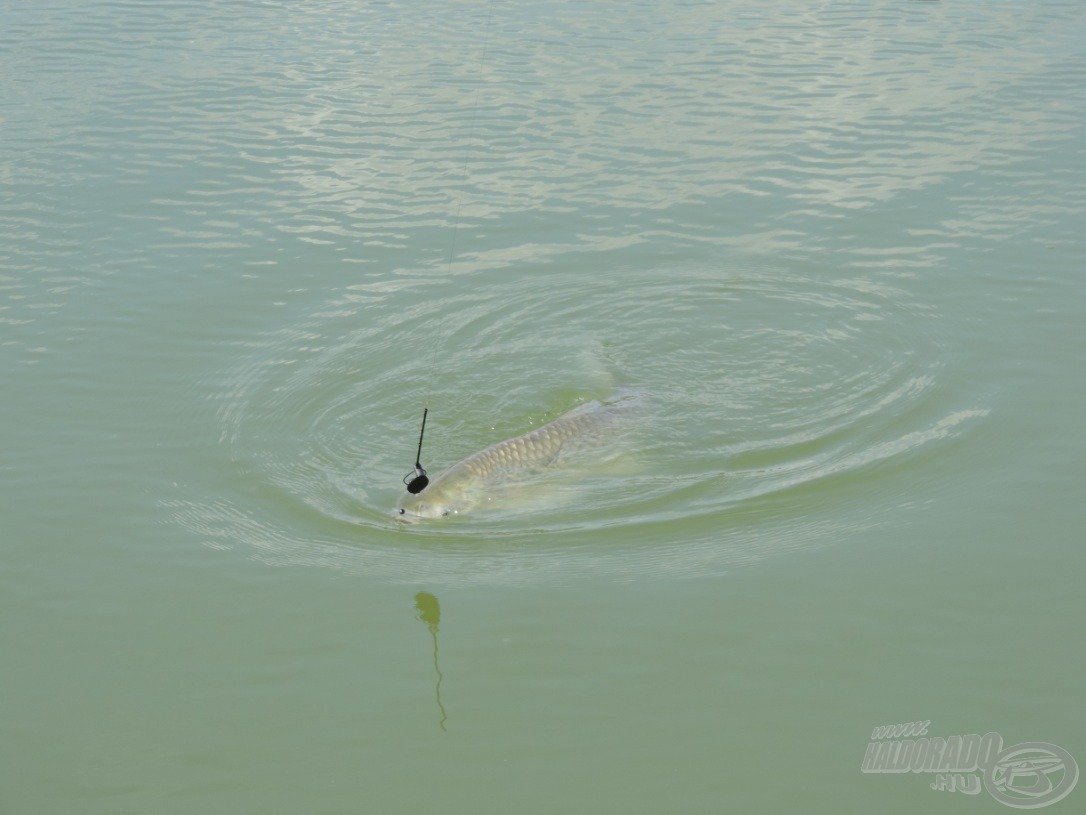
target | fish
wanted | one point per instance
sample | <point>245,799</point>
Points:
<point>481,476</point>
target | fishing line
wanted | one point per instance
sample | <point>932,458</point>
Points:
<point>418,476</point>
<point>419,482</point>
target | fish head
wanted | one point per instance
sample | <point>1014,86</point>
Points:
<point>411,510</point>
<point>429,503</point>
<point>453,492</point>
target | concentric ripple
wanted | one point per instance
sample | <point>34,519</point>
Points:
<point>766,388</point>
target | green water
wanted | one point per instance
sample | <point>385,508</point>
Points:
<point>242,245</point>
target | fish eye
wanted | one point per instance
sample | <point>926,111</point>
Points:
<point>403,511</point>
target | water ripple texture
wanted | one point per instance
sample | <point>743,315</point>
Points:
<point>762,385</point>
<point>776,220</point>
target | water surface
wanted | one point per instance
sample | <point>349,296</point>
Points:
<point>243,245</point>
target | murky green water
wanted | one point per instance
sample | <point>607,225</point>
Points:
<point>242,245</point>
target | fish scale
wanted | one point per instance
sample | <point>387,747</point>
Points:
<point>463,486</point>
